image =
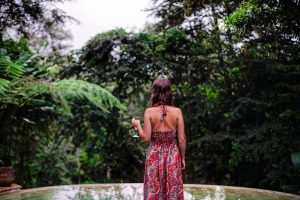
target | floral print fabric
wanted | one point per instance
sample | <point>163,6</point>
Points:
<point>163,173</point>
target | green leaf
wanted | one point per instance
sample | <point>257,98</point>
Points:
<point>295,157</point>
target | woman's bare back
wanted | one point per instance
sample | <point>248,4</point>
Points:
<point>170,121</point>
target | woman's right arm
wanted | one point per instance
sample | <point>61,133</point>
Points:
<point>181,137</point>
<point>145,134</point>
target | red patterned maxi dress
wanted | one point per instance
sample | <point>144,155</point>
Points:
<point>163,173</point>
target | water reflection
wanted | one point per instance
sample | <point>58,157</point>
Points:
<point>124,192</point>
<point>206,194</point>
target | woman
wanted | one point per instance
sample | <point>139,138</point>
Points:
<point>165,160</point>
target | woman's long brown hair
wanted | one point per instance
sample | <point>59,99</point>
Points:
<point>161,92</point>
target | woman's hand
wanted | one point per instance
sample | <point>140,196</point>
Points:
<point>135,122</point>
<point>183,164</point>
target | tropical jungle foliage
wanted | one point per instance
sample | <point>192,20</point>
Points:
<point>235,70</point>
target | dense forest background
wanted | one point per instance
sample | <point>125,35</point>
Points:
<point>235,70</point>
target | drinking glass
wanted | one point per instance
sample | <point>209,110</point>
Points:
<point>135,129</point>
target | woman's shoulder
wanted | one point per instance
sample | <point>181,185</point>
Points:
<point>174,108</point>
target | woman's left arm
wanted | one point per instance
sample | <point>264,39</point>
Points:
<point>145,134</point>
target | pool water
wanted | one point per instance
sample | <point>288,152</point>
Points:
<point>135,192</point>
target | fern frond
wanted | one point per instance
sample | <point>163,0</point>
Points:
<point>78,89</point>
<point>4,85</point>
<point>32,91</point>
<point>22,91</point>
<point>10,70</point>
<point>25,59</point>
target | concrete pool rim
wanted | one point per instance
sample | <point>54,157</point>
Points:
<point>202,186</point>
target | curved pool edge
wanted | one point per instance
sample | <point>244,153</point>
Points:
<point>79,185</point>
<point>244,189</point>
<point>202,186</point>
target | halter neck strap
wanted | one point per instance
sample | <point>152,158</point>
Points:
<point>163,110</point>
